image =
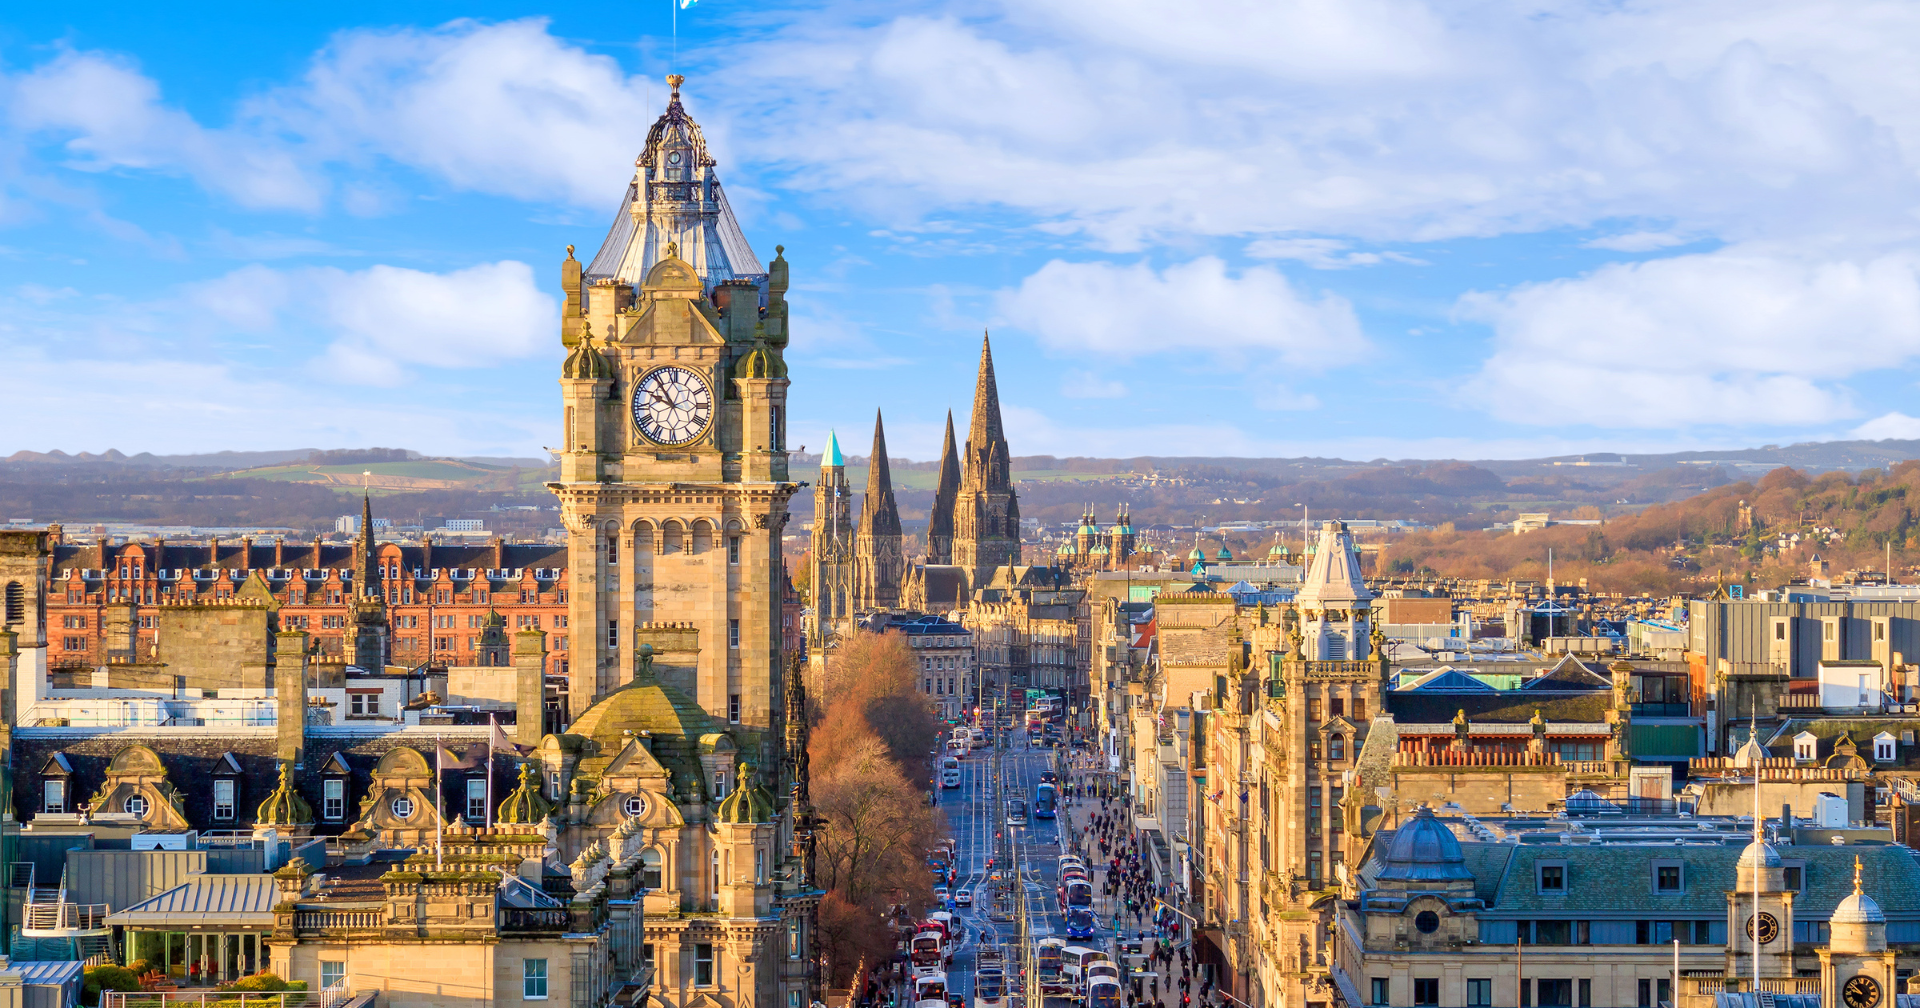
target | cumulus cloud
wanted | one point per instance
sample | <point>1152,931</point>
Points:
<point>379,320</point>
<point>1197,308</point>
<point>1741,336</point>
<point>1133,121</point>
<point>1895,425</point>
<point>500,108</point>
<point>107,115</point>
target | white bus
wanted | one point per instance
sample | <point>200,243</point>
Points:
<point>949,772</point>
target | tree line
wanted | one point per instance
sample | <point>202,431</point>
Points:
<point>872,736</point>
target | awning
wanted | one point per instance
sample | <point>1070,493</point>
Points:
<point>234,901</point>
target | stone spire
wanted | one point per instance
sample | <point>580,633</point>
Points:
<point>878,513</point>
<point>987,459</point>
<point>363,579</point>
<point>940,519</point>
<point>986,514</point>
<point>878,560</point>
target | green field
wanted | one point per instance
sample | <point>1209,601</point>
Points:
<point>432,469</point>
<point>927,479</point>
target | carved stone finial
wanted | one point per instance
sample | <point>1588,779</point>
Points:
<point>569,252</point>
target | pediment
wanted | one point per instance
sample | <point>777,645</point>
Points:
<point>403,761</point>
<point>634,761</point>
<point>1337,726</point>
<point>136,759</point>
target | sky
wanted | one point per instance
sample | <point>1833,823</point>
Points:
<point>1356,228</point>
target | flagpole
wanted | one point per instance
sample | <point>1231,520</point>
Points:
<point>440,801</point>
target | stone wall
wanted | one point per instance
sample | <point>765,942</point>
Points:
<point>219,645</point>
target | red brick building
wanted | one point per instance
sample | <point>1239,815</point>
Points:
<point>437,595</point>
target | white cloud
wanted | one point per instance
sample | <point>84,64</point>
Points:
<point>1323,253</point>
<point>1895,425</point>
<point>1639,241</point>
<point>1741,336</point>
<point>500,108</point>
<point>379,320</point>
<point>110,116</point>
<point>1188,310</point>
<point>1087,385</point>
<point>1132,121</point>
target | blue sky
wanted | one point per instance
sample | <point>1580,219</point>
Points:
<point>1337,227</point>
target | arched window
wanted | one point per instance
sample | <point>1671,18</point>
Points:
<point>1337,747</point>
<point>650,868</point>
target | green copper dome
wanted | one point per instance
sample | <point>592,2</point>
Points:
<point>284,807</point>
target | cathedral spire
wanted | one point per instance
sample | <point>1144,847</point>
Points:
<point>986,514</point>
<point>879,515</point>
<point>986,427</point>
<point>940,518</point>
<point>878,562</point>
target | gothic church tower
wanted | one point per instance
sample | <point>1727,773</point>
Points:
<point>986,514</point>
<point>831,561</point>
<point>878,561</point>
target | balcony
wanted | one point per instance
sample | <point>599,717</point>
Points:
<point>338,920</point>
<point>524,919</point>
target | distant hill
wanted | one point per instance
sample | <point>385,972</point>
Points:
<point>1470,494</point>
<point>1851,520</point>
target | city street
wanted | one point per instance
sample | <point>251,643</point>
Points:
<point>977,821</point>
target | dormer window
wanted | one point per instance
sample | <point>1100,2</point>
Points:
<point>1883,748</point>
<point>1805,745</point>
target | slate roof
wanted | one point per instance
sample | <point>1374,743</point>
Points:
<point>1510,706</point>
<point>1615,880</point>
<point>1828,730</point>
<point>194,761</point>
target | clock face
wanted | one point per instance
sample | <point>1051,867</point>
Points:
<point>1861,992</point>
<point>1769,928</point>
<point>672,406</point>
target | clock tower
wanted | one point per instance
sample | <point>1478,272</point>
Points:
<point>1856,967</point>
<point>673,463</point>
<point>1759,916</point>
